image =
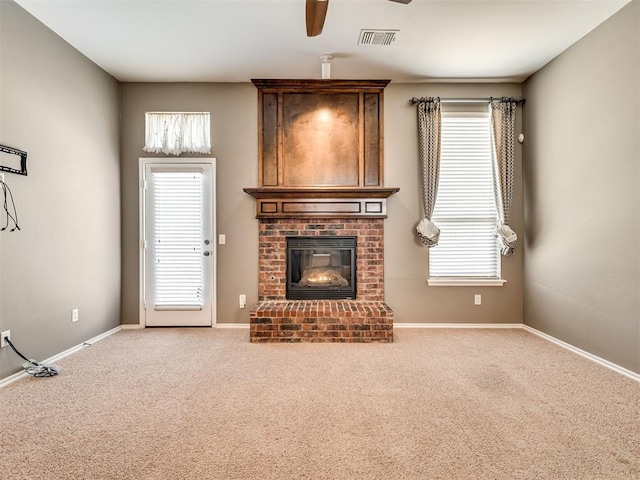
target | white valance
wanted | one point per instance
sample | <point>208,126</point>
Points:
<point>177,132</point>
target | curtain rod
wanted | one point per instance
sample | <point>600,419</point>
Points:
<point>518,100</point>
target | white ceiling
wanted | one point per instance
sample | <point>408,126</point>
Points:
<point>236,40</point>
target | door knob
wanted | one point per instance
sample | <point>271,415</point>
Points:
<point>207,242</point>
<point>206,253</point>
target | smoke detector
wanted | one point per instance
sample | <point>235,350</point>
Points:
<point>377,37</point>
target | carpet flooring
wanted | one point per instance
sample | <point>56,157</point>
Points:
<point>196,403</point>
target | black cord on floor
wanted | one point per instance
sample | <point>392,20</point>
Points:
<point>34,368</point>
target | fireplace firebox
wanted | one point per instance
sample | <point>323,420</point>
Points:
<point>321,268</point>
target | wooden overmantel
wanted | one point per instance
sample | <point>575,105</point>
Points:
<point>320,149</point>
<point>327,202</point>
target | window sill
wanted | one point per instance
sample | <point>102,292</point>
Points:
<point>465,282</point>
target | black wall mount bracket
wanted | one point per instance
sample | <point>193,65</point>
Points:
<point>22,170</point>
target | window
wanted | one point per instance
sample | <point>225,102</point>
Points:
<point>465,208</point>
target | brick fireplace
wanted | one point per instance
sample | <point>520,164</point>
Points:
<point>320,174</point>
<point>365,319</point>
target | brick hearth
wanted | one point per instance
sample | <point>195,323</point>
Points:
<point>321,321</point>
<point>366,319</point>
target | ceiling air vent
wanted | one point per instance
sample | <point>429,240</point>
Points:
<point>377,37</point>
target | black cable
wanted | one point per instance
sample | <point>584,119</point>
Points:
<point>19,354</point>
<point>37,369</point>
<point>4,205</point>
<point>14,217</point>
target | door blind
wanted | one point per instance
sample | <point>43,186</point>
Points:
<point>465,208</point>
<point>178,233</point>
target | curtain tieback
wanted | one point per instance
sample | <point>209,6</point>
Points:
<point>506,233</point>
<point>428,233</point>
<point>508,239</point>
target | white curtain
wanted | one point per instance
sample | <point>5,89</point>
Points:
<point>503,121</point>
<point>429,124</point>
<point>176,133</point>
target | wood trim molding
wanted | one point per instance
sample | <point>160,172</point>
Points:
<point>320,132</point>
<point>321,192</point>
<point>316,84</point>
<point>327,202</point>
<point>320,150</point>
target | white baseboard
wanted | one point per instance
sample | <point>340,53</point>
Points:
<point>136,326</point>
<point>589,356</point>
<point>16,376</point>
<point>131,326</point>
<point>457,325</point>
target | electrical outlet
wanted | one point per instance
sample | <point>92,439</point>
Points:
<point>74,315</point>
<point>477,300</point>
<point>243,301</point>
<point>3,335</point>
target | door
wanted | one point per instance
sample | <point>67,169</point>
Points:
<point>178,249</point>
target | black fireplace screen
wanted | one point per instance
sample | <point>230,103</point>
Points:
<point>321,268</point>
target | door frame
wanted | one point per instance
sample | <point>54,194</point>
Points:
<point>142,164</point>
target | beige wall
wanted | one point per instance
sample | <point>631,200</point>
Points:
<point>582,157</point>
<point>234,136</point>
<point>63,110</point>
<point>234,141</point>
<point>406,259</point>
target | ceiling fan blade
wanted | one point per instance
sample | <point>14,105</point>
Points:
<point>401,1</point>
<point>316,13</point>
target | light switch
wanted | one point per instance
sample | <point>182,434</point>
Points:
<point>222,239</point>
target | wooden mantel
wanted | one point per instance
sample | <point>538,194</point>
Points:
<point>325,202</point>
<point>320,149</point>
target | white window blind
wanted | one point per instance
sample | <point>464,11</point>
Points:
<point>178,238</point>
<point>465,208</point>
